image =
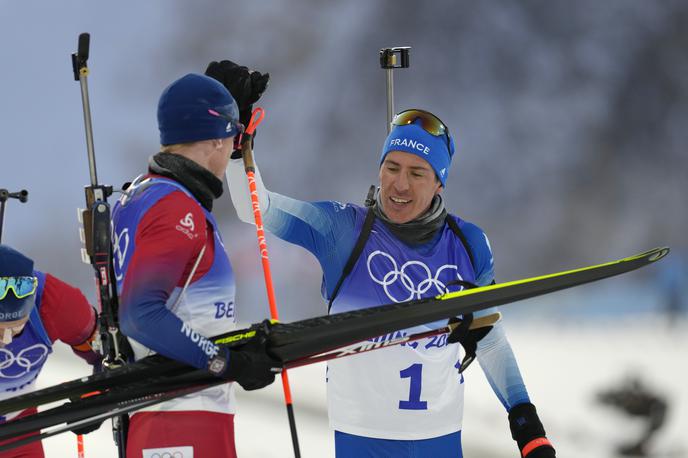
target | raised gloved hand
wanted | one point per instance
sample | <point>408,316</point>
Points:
<point>528,432</point>
<point>250,364</point>
<point>246,86</point>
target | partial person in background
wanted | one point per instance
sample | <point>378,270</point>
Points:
<point>406,400</point>
<point>36,309</point>
<point>174,279</point>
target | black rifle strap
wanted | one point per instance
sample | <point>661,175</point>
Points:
<point>454,226</point>
<point>355,253</point>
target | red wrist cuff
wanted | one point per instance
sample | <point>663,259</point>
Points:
<point>535,443</point>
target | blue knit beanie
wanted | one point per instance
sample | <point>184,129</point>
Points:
<point>15,264</point>
<point>412,138</point>
<point>196,107</point>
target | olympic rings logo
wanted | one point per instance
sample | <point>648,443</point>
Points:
<point>120,246</point>
<point>26,360</point>
<point>169,452</point>
<point>401,280</point>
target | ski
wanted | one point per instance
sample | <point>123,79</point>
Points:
<point>298,340</point>
<point>134,396</point>
<point>304,342</point>
<point>399,338</point>
<point>73,415</point>
<point>330,332</point>
<point>143,370</point>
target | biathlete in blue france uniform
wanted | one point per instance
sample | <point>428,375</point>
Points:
<point>407,400</point>
<point>175,280</point>
<point>36,309</point>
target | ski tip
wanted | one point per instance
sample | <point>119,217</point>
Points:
<point>655,254</point>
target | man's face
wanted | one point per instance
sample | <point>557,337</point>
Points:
<point>407,186</point>
<point>9,329</point>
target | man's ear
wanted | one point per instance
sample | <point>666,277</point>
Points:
<point>439,186</point>
<point>218,143</point>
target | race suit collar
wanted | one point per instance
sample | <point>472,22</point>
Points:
<point>198,180</point>
<point>422,229</point>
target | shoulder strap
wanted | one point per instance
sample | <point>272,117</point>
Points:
<point>355,253</point>
<point>188,279</point>
<point>453,225</point>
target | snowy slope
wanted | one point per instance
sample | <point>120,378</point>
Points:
<point>564,367</point>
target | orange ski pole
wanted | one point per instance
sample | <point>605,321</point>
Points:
<point>80,446</point>
<point>249,166</point>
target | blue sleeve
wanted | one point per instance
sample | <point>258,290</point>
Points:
<point>479,245</point>
<point>326,229</point>
<point>501,370</point>
<point>494,352</point>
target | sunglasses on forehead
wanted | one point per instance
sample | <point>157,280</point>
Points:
<point>428,121</point>
<point>21,286</point>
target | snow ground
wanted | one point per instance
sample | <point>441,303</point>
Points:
<point>564,367</point>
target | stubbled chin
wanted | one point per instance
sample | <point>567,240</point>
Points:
<point>397,213</point>
<point>398,217</point>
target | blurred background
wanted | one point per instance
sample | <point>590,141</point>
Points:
<point>570,121</point>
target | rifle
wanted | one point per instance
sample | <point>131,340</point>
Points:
<point>98,250</point>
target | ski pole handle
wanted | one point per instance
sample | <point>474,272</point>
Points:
<point>256,118</point>
<point>246,148</point>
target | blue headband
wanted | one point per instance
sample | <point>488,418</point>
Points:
<point>412,138</point>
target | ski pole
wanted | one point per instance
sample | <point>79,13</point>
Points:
<point>98,245</point>
<point>391,58</point>
<point>80,446</point>
<point>249,166</point>
<point>22,196</point>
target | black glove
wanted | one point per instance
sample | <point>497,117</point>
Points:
<point>468,338</point>
<point>463,334</point>
<point>246,86</point>
<point>249,364</point>
<point>528,432</point>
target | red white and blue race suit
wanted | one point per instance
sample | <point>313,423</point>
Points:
<point>177,289</point>
<point>61,312</point>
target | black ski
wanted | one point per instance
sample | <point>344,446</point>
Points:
<point>297,343</point>
<point>113,404</point>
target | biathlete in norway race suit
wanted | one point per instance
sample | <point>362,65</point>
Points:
<point>174,278</point>
<point>53,311</point>
<point>405,392</point>
<point>167,306</point>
